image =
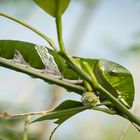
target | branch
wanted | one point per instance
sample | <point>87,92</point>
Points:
<point>7,115</point>
<point>50,41</point>
<point>91,79</point>
<point>69,86</point>
<point>58,22</point>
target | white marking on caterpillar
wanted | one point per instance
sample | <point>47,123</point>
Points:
<point>19,59</point>
<point>47,60</point>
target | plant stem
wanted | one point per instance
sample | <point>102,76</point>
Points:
<point>71,87</point>
<point>97,87</point>
<point>7,115</point>
<point>58,21</point>
<point>25,133</point>
<point>120,106</point>
<point>50,41</point>
<point>76,68</point>
<point>105,110</point>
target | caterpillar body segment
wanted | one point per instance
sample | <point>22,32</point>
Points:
<point>113,77</point>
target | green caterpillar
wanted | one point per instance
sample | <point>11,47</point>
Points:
<point>112,76</point>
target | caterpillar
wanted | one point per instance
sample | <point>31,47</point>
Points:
<point>110,75</point>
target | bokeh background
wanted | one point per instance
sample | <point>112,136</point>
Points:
<point>92,28</point>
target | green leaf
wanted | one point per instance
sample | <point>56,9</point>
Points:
<point>53,7</point>
<point>64,111</point>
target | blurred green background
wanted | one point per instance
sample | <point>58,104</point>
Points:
<point>93,29</point>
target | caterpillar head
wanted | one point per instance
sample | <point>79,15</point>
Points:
<point>117,80</point>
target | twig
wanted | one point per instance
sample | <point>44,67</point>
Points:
<point>7,115</point>
<point>49,40</point>
<point>75,88</point>
<point>96,86</point>
<point>123,134</point>
<point>25,133</point>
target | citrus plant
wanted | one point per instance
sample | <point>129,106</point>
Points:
<point>103,85</point>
